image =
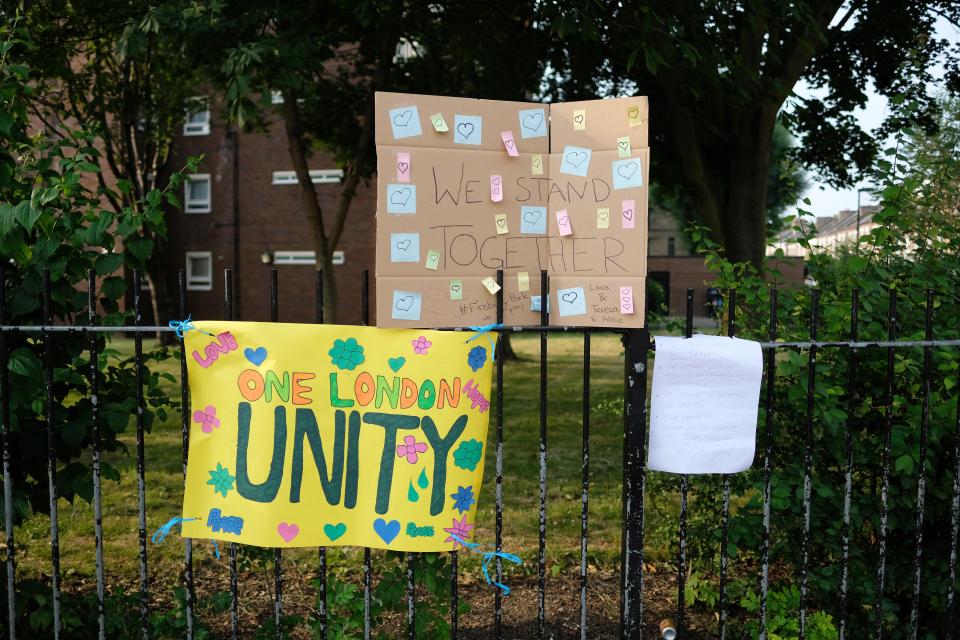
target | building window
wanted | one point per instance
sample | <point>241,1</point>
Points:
<point>317,176</point>
<point>198,117</point>
<point>304,257</point>
<point>671,247</point>
<point>276,97</point>
<point>199,270</point>
<point>196,193</point>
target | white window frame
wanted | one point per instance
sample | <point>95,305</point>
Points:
<point>276,97</point>
<point>191,205</point>
<point>289,258</point>
<point>317,176</point>
<point>199,283</point>
<point>201,128</point>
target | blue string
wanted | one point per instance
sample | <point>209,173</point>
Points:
<point>485,329</point>
<point>162,532</point>
<point>181,327</point>
<point>487,557</point>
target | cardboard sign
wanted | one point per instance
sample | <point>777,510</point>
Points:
<point>326,435</point>
<point>483,209</point>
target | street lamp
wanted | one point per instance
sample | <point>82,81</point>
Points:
<point>859,191</point>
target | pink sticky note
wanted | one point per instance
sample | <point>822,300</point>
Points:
<point>563,222</point>
<point>403,167</point>
<point>496,188</point>
<point>628,214</point>
<point>626,299</point>
<point>509,143</point>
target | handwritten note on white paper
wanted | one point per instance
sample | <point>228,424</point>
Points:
<point>703,409</point>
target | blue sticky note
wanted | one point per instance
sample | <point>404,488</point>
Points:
<point>406,305</point>
<point>571,302</point>
<point>535,304</point>
<point>533,220</point>
<point>575,160</point>
<point>404,247</point>
<point>627,173</point>
<point>401,198</point>
<point>533,123</point>
<point>405,122</point>
<point>467,129</point>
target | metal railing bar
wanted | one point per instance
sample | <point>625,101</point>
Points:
<point>322,569</point>
<point>277,552</point>
<point>51,457</point>
<point>7,478</point>
<point>191,594</point>
<point>365,320</point>
<point>808,459</point>
<point>725,507</point>
<point>542,537</point>
<point>885,483</point>
<point>95,456</point>
<point>852,365</point>
<point>767,469</point>
<point>234,587</point>
<point>498,524</point>
<point>682,524</point>
<point>585,495</point>
<point>141,462</point>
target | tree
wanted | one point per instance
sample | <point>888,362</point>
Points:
<point>720,74</point>
<point>120,69</point>
<point>327,58</point>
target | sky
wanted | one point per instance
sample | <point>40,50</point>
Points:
<point>826,200</point>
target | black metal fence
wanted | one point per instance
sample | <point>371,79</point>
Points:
<point>637,345</point>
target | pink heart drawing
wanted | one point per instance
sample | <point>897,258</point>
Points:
<point>288,531</point>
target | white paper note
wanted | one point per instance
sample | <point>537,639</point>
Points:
<point>703,409</point>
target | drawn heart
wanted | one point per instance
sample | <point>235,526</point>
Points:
<point>402,167</point>
<point>533,121</point>
<point>400,196</point>
<point>633,113</point>
<point>563,220</point>
<point>622,145</point>
<point>532,217</point>
<point>256,356</point>
<point>396,363</point>
<point>509,144</point>
<point>404,303</point>
<point>602,216</point>
<point>576,158</point>
<point>288,531</point>
<point>626,299</point>
<point>578,118</point>
<point>403,245</point>
<point>626,170</point>
<point>465,129</point>
<point>496,180</point>
<point>386,530</point>
<point>569,297</point>
<point>536,163</point>
<point>334,531</point>
<point>455,288</point>
<point>628,214</point>
<point>402,118</point>
<point>501,222</point>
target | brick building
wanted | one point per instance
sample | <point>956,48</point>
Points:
<point>242,211</point>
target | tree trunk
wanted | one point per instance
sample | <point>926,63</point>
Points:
<point>506,348</point>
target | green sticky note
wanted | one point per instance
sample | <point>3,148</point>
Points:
<point>456,290</point>
<point>439,124</point>
<point>433,260</point>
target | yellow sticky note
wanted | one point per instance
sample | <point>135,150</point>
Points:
<point>603,218</point>
<point>623,147</point>
<point>501,223</point>
<point>523,281</point>
<point>536,164</point>
<point>439,124</point>
<point>580,120</point>
<point>491,285</point>
<point>633,116</point>
<point>433,260</point>
<point>456,289</point>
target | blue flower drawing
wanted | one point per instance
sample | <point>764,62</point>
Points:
<point>346,354</point>
<point>463,499</point>
<point>477,357</point>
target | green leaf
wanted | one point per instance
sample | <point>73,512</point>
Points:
<point>26,214</point>
<point>904,464</point>
<point>25,363</point>
<point>7,218</point>
<point>108,263</point>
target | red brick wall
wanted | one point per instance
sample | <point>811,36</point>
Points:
<point>271,218</point>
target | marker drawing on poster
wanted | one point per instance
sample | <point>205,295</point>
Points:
<point>703,406</point>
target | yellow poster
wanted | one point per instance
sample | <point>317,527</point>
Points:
<point>320,435</point>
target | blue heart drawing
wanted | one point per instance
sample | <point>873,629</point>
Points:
<point>396,363</point>
<point>334,531</point>
<point>256,356</point>
<point>386,530</point>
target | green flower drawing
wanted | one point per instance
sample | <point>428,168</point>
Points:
<point>468,454</point>
<point>346,354</point>
<point>221,480</point>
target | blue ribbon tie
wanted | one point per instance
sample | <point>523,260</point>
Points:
<point>487,557</point>
<point>486,329</point>
<point>181,327</point>
<point>162,532</point>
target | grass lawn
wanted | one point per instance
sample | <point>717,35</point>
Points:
<point>521,494</point>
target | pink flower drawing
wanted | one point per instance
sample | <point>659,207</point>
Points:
<point>459,528</point>
<point>421,345</point>
<point>410,449</point>
<point>207,418</point>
